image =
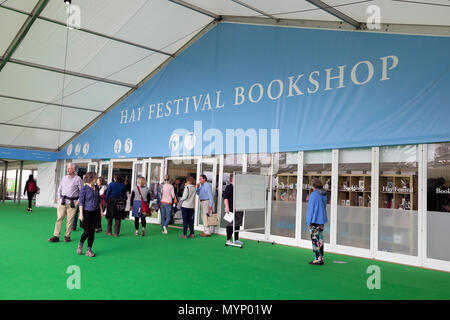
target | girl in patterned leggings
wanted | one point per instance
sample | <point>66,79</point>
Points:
<point>316,231</point>
<point>316,218</point>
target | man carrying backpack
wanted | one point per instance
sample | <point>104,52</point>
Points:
<point>30,190</point>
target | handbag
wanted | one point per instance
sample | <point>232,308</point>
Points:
<point>180,203</point>
<point>120,205</point>
<point>213,219</point>
<point>144,206</point>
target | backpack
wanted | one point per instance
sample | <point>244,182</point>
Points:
<point>32,186</point>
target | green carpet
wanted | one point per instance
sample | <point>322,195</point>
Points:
<point>161,266</point>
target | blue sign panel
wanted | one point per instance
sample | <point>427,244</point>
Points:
<point>243,88</point>
<point>21,154</point>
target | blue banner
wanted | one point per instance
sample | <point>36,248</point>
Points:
<point>244,88</point>
<point>22,154</point>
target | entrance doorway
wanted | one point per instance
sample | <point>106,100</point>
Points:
<point>178,170</point>
<point>208,167</point>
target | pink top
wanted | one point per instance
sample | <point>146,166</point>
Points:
<point>167,193</point>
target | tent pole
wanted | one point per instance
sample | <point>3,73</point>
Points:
<point>15,187</point>
<point>5,181</point>
<point>20,181</point>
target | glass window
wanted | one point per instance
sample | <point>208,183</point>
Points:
<point>438,201</point>
<point>354,198</point>
<point>284,195</point>
<point>258,163</point>
<point>316,164</point>
<point>104,170</point>
<point>398,196</point>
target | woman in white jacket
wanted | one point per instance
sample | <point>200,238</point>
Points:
<point>187,208</point>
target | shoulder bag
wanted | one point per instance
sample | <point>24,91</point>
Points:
<point>145,209</point>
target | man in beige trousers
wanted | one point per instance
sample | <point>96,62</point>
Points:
<point>68,192</point>
<point>204,192</point>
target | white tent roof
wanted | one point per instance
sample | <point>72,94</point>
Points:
<point>52,89</point>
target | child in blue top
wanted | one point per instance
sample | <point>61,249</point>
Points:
<point>316,217</point>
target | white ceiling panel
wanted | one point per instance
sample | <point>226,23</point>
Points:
<point>104,16</point>
<point>41,115</point>
<point>37,138</point>
<point>121,62</point>
<point>90,94</point>
<point>159,23</point>
<point>45,44</point>
<point>24,5</point>
<point>25,82</point>
<point>10,24</point>
<point>7,134</point>
<point>291,9</point>
<point>423,12</point>
<point>223,7</point>
<point>86,53</point>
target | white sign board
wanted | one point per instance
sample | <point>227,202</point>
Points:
<point>250,192</point>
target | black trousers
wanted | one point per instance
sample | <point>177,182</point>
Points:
<point>230,233</point>
<point>188,220</point>
<point>98,222</point>
<point>75,219</point>
<point>116,226</point>
<point>136,222</point>
<point>90,217</point>
<point>30,198</point>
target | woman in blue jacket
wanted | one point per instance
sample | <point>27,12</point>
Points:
<point>316,218</point>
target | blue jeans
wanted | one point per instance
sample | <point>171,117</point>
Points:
<point>166,211</point>
<point>188,220</point>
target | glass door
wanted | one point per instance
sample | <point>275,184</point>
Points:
<point>92,167</point>
<point>104,171</point>
<point>155,170</point>
<point>207,167</point>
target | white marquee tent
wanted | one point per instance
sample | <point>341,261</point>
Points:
<point>55,81</point>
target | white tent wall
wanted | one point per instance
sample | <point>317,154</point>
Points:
<point>46,183</point>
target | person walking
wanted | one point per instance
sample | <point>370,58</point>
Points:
<point>116,197</point>
<point>68,193</point>
<point>238,217</point>
<point>103,187</point>
<point>166,202</point>
<point>187,208</point>
<point>178,187</point>
<point>30,190</point>
<point>204,192</point>
<point>90,212</point>
<point>140,193</point>
<point>316,218</point>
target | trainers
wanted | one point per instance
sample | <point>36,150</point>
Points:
<point>238,242</point>
<point>164,230</point>
<point>191,236</point>
<point>53,239</point>
<point>228,242</point>
<point>136,233</point>
<point>182,236</point>
<point>80,248</point>
<point>66,239</point>
<point>98,230</point>
<point>89,252</point>
<point>108,233</point>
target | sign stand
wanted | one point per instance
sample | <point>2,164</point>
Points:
<point>249,194</point>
